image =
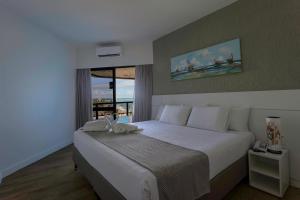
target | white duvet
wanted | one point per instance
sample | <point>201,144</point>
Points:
<point>137,183</point>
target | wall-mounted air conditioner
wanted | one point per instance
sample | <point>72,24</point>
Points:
<point>109,51</point>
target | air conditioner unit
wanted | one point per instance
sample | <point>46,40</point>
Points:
<point>109,51</point>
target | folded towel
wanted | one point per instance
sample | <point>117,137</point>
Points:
<point>125,128</point>
<point>98,125</point>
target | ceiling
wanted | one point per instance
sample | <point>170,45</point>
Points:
<point>96,21</point>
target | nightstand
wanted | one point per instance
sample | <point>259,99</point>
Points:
<point>269,172</point>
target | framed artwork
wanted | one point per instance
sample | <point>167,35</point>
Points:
<point>220,59</point>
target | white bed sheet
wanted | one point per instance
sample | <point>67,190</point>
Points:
<point>135,182</point>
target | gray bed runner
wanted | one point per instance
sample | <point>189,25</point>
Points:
<point>181,173</point>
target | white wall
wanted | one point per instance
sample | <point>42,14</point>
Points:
<point>37,93</point>
<point>133,54</point>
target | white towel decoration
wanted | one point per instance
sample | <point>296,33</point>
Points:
<point>109,124</point>
<point>124,128</point>
<point>98,125</point>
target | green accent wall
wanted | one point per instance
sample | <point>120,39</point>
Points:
<point>270,43</point>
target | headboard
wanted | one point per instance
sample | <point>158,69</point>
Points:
<point>282,103</point>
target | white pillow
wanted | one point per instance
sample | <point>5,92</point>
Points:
<point>175,114</point>
<point>239,119</point>
<point>213,118</point>
<point>159,112</point>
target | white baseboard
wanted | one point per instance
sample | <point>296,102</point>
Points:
<point>21,164</point>
<point>295,183</point>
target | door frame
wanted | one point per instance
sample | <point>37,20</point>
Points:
<point>113,69</point>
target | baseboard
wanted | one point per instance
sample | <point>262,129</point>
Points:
<point>295,183</point>
<point>19,165</point>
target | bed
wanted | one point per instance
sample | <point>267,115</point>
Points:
<point>114,176</point>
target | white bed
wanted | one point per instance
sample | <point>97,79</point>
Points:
<point>135,182</point>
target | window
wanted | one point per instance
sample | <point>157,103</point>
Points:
<point>113,92</point>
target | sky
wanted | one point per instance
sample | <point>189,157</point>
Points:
<point>100,88</point>
<point>125,88</point>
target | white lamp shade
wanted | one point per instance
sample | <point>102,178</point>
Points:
<point>274,134</point>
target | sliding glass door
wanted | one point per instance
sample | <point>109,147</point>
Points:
<point>113,92</point>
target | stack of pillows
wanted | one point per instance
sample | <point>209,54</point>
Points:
<point>214,118</point>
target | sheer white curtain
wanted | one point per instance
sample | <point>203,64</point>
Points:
<point>83,97</point>
<point>143,93</point>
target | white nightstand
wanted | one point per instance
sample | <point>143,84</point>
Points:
<point>269,172</point>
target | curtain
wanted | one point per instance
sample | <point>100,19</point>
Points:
<point>143,93</point>
<point>83,97</point>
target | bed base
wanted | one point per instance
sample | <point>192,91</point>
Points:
<point>220,185</point>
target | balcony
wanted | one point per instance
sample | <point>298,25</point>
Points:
<point>124,110</point>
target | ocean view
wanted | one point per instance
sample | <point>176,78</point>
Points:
<point>102,95</point>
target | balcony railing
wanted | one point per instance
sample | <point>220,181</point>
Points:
<point>108,107</point>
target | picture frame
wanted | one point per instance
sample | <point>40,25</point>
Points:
<point>220,59</point>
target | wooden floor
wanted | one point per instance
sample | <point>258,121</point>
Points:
<point>54,178</point>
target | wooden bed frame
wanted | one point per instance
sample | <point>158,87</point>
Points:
<point>220,185</point>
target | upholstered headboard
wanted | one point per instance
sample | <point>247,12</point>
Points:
<point>282,103</point>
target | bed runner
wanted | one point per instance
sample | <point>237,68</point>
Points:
<point>181,173</point>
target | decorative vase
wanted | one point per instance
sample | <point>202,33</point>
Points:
<point>274,135</point>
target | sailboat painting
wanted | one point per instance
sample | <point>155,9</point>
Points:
<point>220,59</point>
